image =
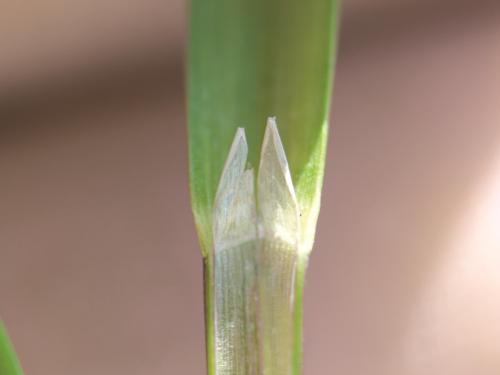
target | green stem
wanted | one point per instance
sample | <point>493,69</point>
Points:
<point>298,313</point>
<point>253,304</point>
<point>209,313</point>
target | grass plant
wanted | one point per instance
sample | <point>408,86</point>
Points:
<point>255,188</point>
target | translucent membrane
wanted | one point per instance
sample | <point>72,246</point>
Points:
<point>255,257</point>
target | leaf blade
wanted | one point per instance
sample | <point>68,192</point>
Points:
<point>9,364</point>
<point>249,60</point>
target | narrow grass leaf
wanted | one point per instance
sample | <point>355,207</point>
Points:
<point>9,365</point>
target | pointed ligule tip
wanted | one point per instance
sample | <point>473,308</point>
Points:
<point>276,195</point>
<point>272,139</point>
<point>271,122</point>
<point>234,206</point>
<point>240,134</point>
<point>272,149</point>
<point>272,130</point>
<point>239,145</point>
<point>236,158</point>
<point>271,133</point>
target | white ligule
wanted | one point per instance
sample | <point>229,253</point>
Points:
<point>255,235</point>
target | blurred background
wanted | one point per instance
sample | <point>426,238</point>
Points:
<point>100,271</point>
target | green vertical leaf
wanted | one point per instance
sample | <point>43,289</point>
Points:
<point>250,60</point>
<point>9,365</point>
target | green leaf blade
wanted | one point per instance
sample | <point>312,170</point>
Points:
<point>9,365</point>
<point>250,60</point>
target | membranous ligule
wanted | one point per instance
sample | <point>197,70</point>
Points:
<point>255,232</point>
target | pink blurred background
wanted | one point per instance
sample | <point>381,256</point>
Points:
<point>100,271</point>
